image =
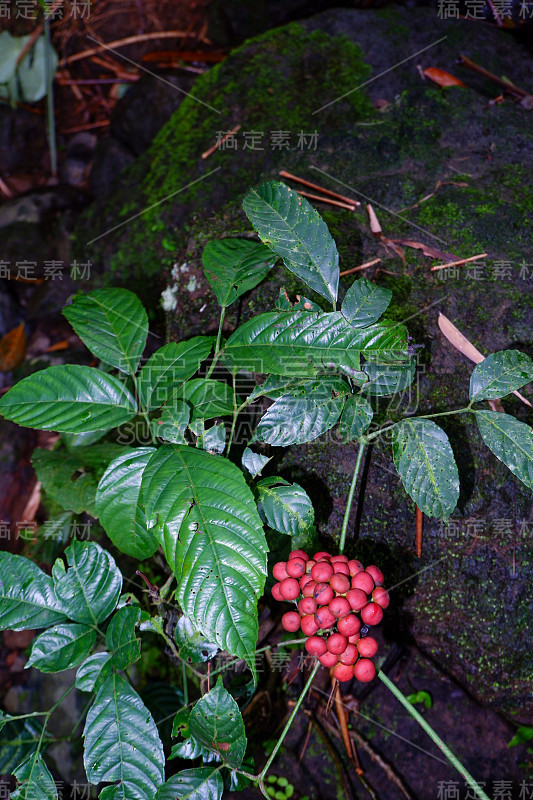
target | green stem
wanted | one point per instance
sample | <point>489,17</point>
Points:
<point>217,345</point>
<point>289,722</point>
<point>454,761</point>
<point>362,444</point>
<point>236,412</point>
<point>374,435</point>
<point>185,685</point>
<point>50,118</point>
<point>142,408</point>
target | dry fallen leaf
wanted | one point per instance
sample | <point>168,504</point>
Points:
<point>442,78</point>
<point>432,252</point>
<point>13,349</point>
<point>375,227</point>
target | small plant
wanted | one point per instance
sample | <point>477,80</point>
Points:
<point>181,485</point>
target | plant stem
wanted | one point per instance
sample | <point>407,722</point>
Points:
<point>454,761</point>
<point>236,413</point>
<point>217,345</point>
<point>362,444</point>
<point>374,435</point>
<point>289,722</point>
<point>50,119</point>
<point>185,685</point>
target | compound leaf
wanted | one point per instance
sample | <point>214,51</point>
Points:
<point>234,266</point>
<point>510,440</point>
<point>364,303</point>
<point>500,374</point>
<point>169,366</point>
<point>217,724</point>
<point>27,596</point>
<point>61,647</point>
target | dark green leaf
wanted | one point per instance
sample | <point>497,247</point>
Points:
<point>234,266</point>
<point>69,398</point>
<point>119,508</point>
<point>510,440</point>
<point>36,782</point>
<point>355,418</point>
<point>303,414</point>
<point>207,398</point>
<point>172,424</point>
<point>61,647</point>
<point>303,343</point>
<point>203,783</point>
<point>113,324</point>
<point>120,638</point>
<point>523,735</point>
<point>89,589</point>
<point>214,439</point>
<point>206,520</point>
<point>74,440</point>
<point>190,749</point>
<point>386,379</point>
<point>285,507</point>
<point>291,227</point>
<point>93,672</point>
<point>254,463</point>
<point>193,647</point>
<point>27,596</point>
<point>420,697</point>
<point>17,741</point>
<point>169,366</point>
<point>216,723</point>
<point>365,303</point>
<point>424,460</point>
<point>500,374</point>
<point>122,743</point>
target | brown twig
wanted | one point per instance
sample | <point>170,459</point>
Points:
<point>326,200</point>
<point>343,724</point>
<point>466,62</point>
<point>459,262</point>
<point>366,265</point>
<point>220,142</point>
<point>284,174</point>
<point>143,37</point>
<point>419,530</point>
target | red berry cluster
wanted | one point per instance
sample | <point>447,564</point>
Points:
<point>330,592</point>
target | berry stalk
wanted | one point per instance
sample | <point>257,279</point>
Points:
<point>362,445</point>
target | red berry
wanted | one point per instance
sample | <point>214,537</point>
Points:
<point>280,571</point>
<point>304,580</point>
<point>315,646</point>
<point>349,625</point>
<point>307,606</point>
<point>299,554</point>
<point>372,614</point>
<point>321,554</point>
<point>309,625</point>
<point>353,639</point>
<point>290,589</point>
<point>337,643</point>
<point>381,596</point>
<point>367,647</point>
<point>340,583</point>
<point>296,567</point>
<point>376,574</point>
<point>328,660</point>
<point>357,599</point>
<point>291,621</point>
<point>324,618</point>
<point>322,572</point>
<point>341,567</point>
<point>350,655</point>
<point>339,607</point>
<point>364,670</point>
<point>363,581</point>
<point>334,559</point>
<point>309,565</point>
<point>323,594</point>
<point>276,593</point>
<point>355,566</point>
<point>343,672</point>
<point>309,588</point>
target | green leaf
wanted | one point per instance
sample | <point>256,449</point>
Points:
<point>303,414</point>
<point>303,343</point>
<point>122,743</point>
<point>214,438</point>
<point>61,647</point>
<point>69,398</point>
<point>193,647</point>
<point>386,379</point>
<point>283,303</point>
<point>500,374</point>
<point>169,366</point>
<point>190,749</point>
<point>203,783</point>
<point>234,266</point>
<point>36,782</point>
<point>17,742</point>
<point>74,440</point>
<point>120,639</point>
<point>207,398</point>
<point>510,440</point>
<point>113,324</point>
<point>523,735</point>
<point>10,47</point>
<point>291,227</point>
<point>420,697</point>
<point>206,520</point>
<point>285,507</point>
<point>425,463</point>
<point>67,477</point>
<point>254,463</point>
<point>365,303</point>
<point>27,597</point>
<point>355,418</point>
<point>119,508</point>
<point>161,698</point>
<point>89,589</point>
<point>93,672</point>
<point>172,424</point>
<point>217,724</point>
<point>25,82</point>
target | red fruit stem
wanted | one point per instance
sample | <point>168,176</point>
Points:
<point>362,444</point>
<point>454,761</point>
